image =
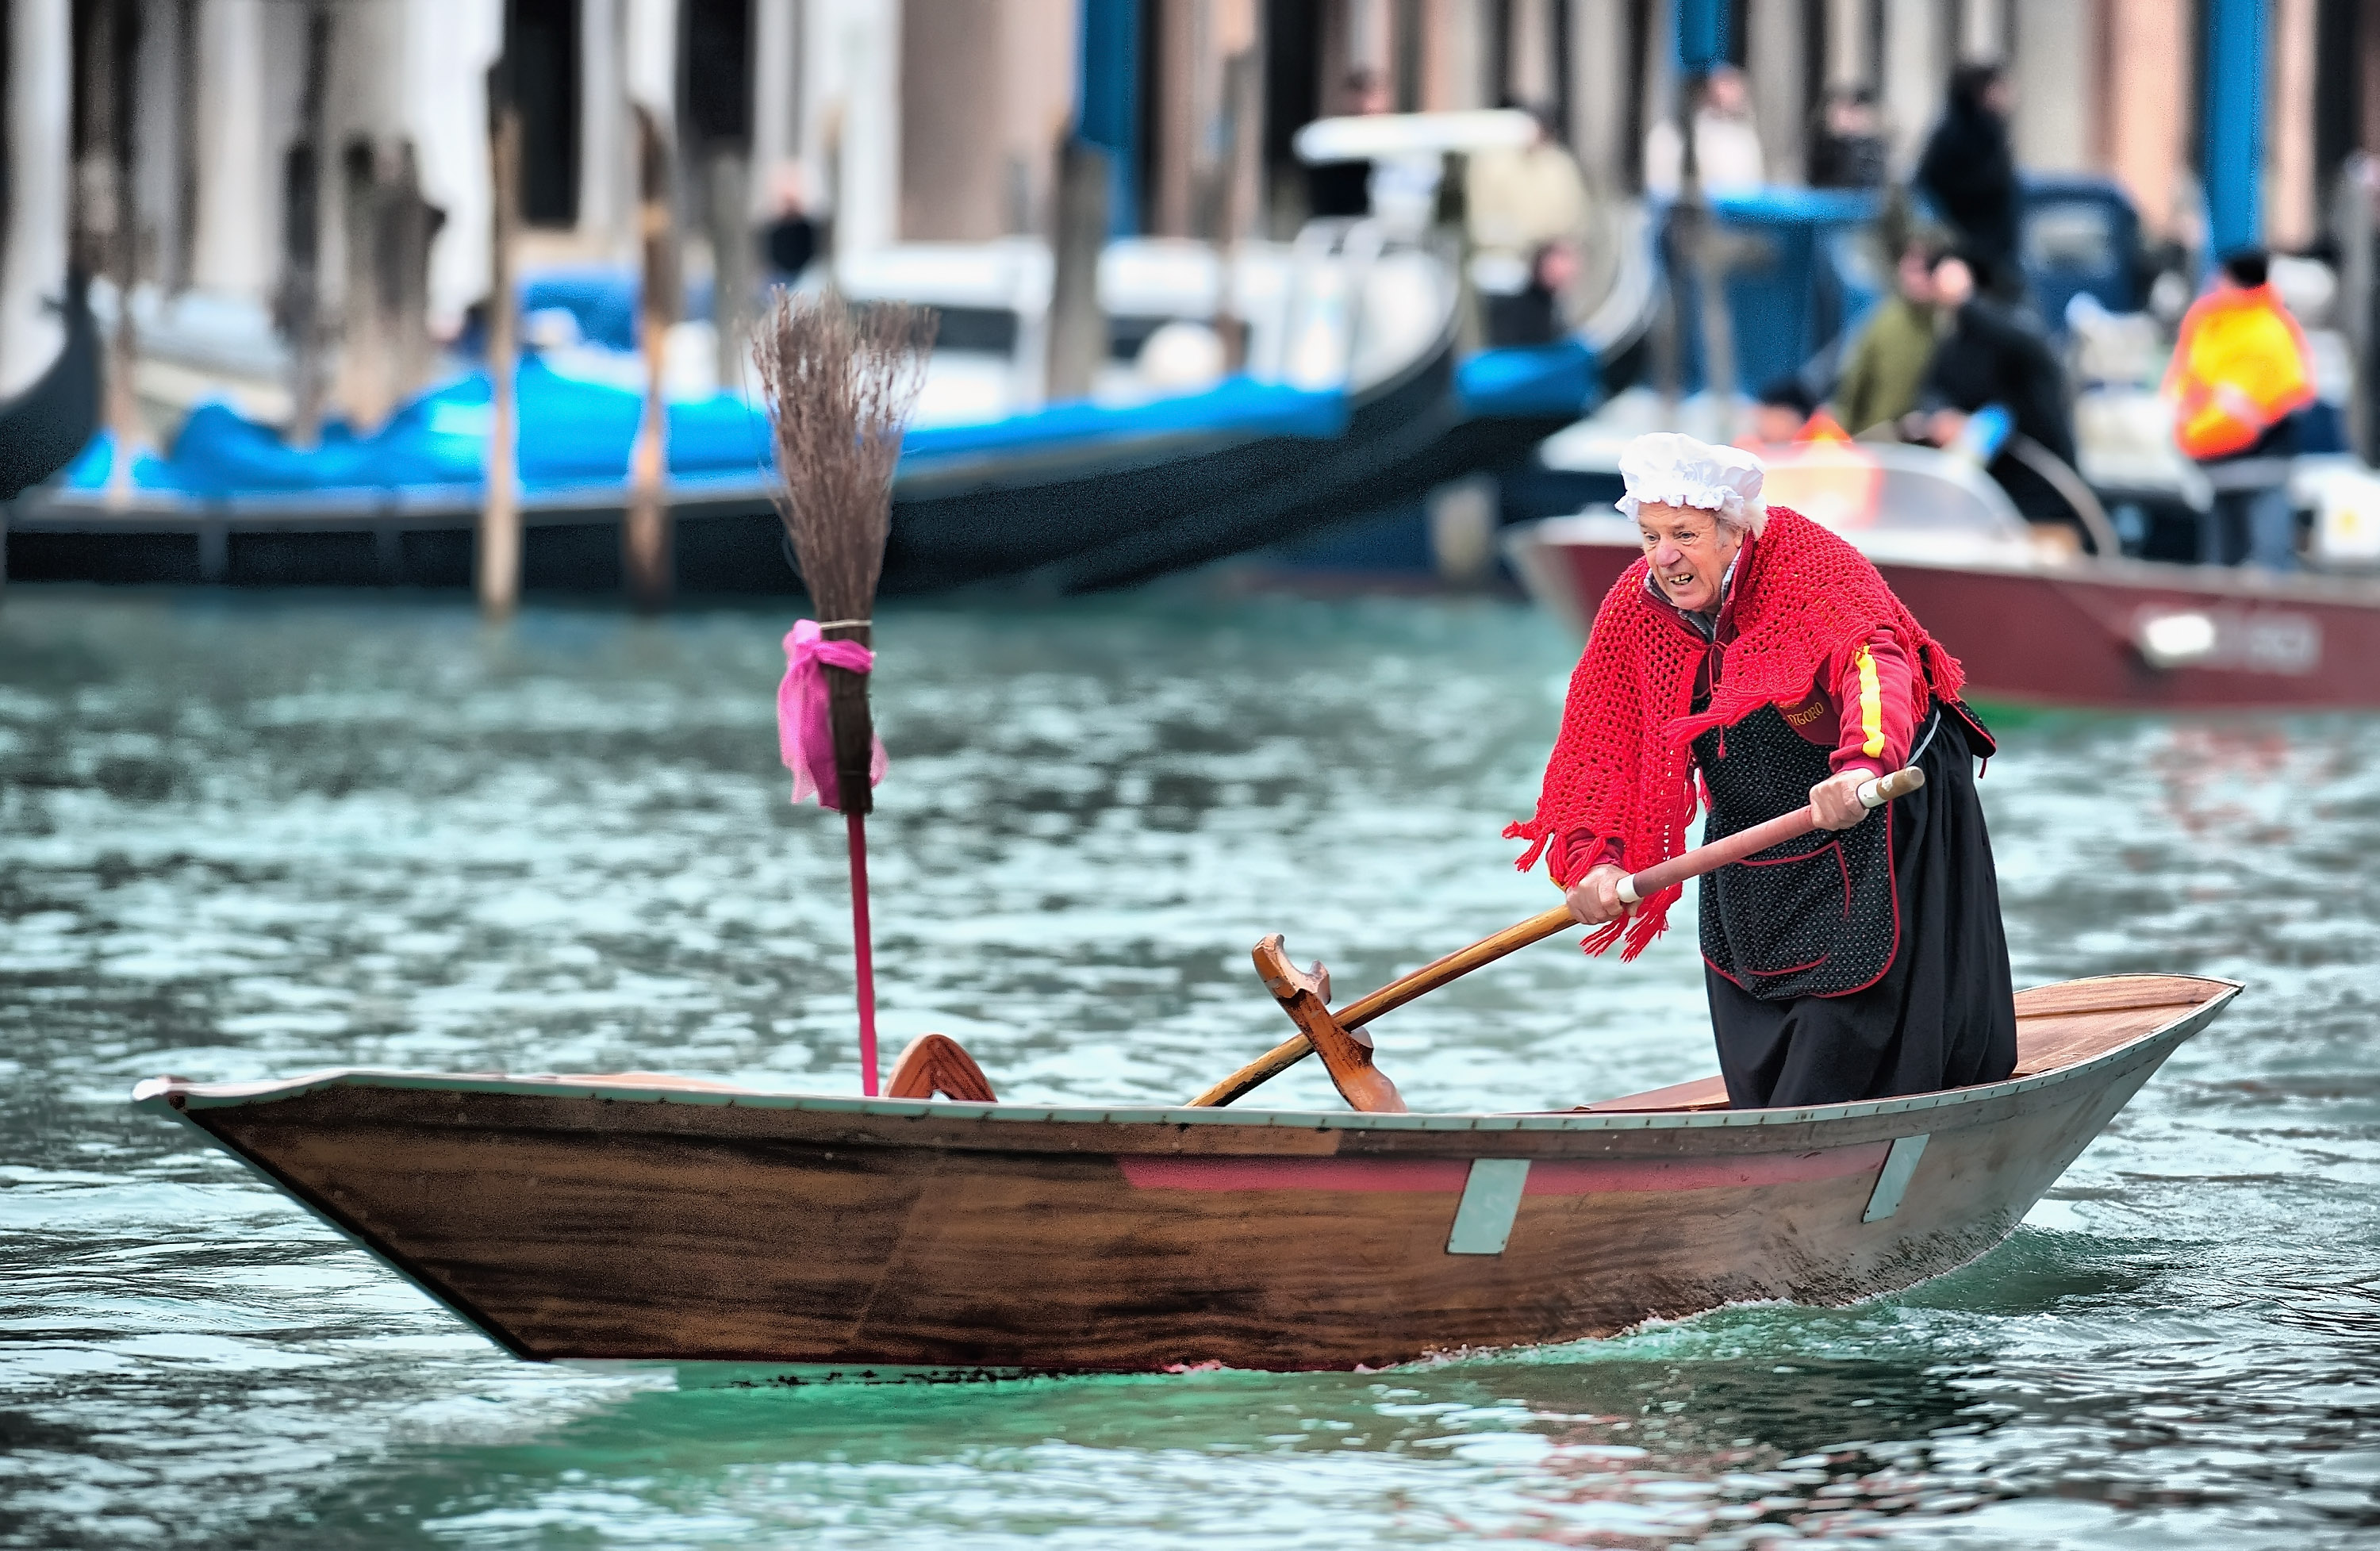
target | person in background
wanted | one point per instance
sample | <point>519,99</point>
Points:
<point>1991,353</point>
<point>1728,158</point>
<point>1782,413</point>
<point>791,238</point>
<point>1848,149</point>
<point>1887,363</point>
<point>1344,188</point>
<point>1969,170</point>
<point>1526,209</point>
<point>2240,376</point>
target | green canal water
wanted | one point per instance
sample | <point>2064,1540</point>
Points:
<point>242,837</point>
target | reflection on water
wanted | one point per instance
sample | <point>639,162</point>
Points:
<point>249,837</point>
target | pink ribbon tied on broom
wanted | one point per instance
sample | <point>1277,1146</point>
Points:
<point>805,732</point>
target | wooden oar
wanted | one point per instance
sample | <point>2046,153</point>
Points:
<point>1347,1050</point>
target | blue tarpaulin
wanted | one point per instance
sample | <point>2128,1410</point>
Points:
<point>575,433</point>
<point>1530,379</point>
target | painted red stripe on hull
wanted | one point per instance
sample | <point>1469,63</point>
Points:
<point>1368,1176</point>
<point>1447,1176</point>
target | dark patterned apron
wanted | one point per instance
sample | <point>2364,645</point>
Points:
<point>1816,916</point>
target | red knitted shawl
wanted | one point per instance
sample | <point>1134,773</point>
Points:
<point>1621,769</point>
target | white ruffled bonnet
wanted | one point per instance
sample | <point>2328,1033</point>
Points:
<point>1668,467</point>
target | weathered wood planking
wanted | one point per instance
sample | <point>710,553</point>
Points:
<point>1703,1093</point>
<point>2109,993</point>
<point>2055,1025</point>
<point>613,1220</point>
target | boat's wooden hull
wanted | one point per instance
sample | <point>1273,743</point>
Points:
<point>608,1219</point>
<point>2074,635</point>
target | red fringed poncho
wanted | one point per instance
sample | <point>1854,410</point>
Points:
<point>1621,769</point>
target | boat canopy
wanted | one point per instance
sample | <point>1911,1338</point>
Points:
<point>1859,489</point>
<point>1892,502</point>
<point>1367,137</point>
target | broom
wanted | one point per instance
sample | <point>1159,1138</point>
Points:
<point>840,382</point>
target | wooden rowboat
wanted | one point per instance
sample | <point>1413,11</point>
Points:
<point>633,1216</point>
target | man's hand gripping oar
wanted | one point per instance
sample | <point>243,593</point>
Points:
<point>1347,1050</point>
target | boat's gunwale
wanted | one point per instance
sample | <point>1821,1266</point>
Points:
<point>176,1096</point>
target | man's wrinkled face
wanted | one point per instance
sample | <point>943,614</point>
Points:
<point>1689,552</point>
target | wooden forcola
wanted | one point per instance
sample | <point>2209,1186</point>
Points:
<point>1305,995</point>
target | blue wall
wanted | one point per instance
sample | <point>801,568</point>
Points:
<point>1107,100</point>
<point>1702,33</point>
<point>2233,117</point>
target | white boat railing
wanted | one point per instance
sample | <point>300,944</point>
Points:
<point>1360,303</point>
<point>1347,304</point>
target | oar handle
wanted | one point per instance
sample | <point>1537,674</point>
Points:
<point>1636,888</point>
<point>1883,789</point>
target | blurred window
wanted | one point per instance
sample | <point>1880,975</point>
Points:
<point>990,329</point>
<point>718,68</point>
<point>1880,489</point>
<point>543,42</point>
<point>2073,237</point>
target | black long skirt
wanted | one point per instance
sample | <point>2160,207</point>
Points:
<point>1942,1016</point>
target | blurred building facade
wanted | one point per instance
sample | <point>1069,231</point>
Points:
<point>283,159</point>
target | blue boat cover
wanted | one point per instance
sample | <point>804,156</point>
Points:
<point>575,433</point>
<point>1528,380</point>
<point>601,298</point>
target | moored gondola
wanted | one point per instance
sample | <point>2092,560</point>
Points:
<point>42,426</point>
<point>1356,347</point>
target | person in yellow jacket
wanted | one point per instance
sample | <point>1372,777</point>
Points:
<point>2241,373</point>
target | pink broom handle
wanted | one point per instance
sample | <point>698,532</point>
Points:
<point>1635,887</point>
<point>863,946</point>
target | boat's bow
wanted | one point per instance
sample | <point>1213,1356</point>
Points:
<point>43,428</point>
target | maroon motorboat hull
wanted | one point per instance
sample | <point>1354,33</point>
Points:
<point>2070,635</point>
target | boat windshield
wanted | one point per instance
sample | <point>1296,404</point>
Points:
<point>1882,491</point>
<point>1896,502</point>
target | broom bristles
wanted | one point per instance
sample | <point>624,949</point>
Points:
<point>841,383</point>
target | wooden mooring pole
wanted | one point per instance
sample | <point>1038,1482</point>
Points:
<point>500,525</point>
<point>1078,329</point>
<point>105,216</point>
<point>645,538</point>
<point>303,169</point>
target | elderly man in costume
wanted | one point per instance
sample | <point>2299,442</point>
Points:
<point>1756,649</point>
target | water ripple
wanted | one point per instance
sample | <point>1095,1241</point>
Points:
<point>243,837</point>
